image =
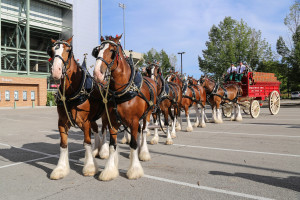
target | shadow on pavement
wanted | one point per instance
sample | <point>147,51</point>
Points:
<point>291,182</point>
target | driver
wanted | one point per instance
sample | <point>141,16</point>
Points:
<point>230,73</point>
<point>240,71</point>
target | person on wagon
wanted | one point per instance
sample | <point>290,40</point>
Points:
<point>230,72</point>
<point>240,72</point>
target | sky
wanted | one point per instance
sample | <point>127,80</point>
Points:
<point>177,26</point>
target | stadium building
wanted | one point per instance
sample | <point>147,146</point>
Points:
<point>26,29</point>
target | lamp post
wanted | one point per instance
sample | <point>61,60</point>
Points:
<point>123,7</point>
<point>181,58</point>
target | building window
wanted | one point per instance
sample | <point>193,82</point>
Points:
<point>16,95</point>
<point>24,95</point>
<point>7,95</point>
<point>32,96</point>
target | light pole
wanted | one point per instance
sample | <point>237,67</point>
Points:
<point>181,58</point>
<point>123,7</point>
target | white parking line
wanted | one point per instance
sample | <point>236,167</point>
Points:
<point>206,188</point>
<point>256,124</point>
<point>221,132</point>
<point>5,118</point>
<point>237,150</point>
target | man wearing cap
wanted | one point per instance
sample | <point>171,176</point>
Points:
<point>239,72</point>
<point>230,73</point>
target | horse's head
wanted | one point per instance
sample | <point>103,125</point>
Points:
<point>191,80</point>
<point>153,70</point>
<point>105,55</point>
<point>61,52</point>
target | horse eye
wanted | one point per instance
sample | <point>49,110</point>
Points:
<point>113,53</point>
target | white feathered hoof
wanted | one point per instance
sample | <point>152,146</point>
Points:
<point>232,118</point>
<point>189,129</point>
<point>144,156</point>
<point>59,173</point>
<point>104,151</point>
<point>173,135</point>
<point>109,174</point>
<point>203,125</point>
<point>196,124</point>
<point>135,172</point>
<point>218,121</point>
<point>178,127</point>
<point>95,152</point>
<point>169,141</point>
<point>239,118</point>
<point>154,140</point>
<point>148,133</point>
<point>90,170</point>
<point>124,140</point>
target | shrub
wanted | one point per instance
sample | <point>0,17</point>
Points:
<point>51,97</point>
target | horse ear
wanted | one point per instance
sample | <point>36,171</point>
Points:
<point>102,38</point>
<point>53,41</point>
<point>118,38</point>
<point>69,40</point>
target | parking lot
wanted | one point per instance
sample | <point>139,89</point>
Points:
<point>256,159</point>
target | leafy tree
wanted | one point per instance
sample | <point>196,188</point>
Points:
<point>230,42</point>
<point>290,54</point>
<point>162,57</point>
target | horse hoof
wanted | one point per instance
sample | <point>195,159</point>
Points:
<point>135,172</point>
<point>148,133</point>
<point>196,124</point>
<point>154,141</point>
<point>239,119</point>
<point>90,170</point>
<point>59,173</point>
<point>202,125</point>
<point>173,135</point>
<point>107,175</point>
<point>169,142</point>
<point>189,129</point>
<point>144,156</point>
<point>95,153</point>
<point>124,140</point>
<point>104,152</point>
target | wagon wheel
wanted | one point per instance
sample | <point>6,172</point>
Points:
<point>227,110</point>
<point>246,108</point>
<point>274,102</point>
<point>254,108</point>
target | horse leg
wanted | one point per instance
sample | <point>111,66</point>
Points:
<point>63,167</point>
<point>111,170</point>
<point>214,116</point>
<point>97,139</point>
<point>205,117</point>
<point>144,154</point>
<point>219,119</point>
<point>239,115</point>
<point>233,116</point>
<point>169,138</point>
<point>189,127</point>
<point>195,106</point>
<point>202,124</point>
<point>179,122</point>
<point>135,170</point>
<point>104,150</point>
<point>90,167</point>
<point>173,118</point>
<point>148,133</point>
<point>155,139</point>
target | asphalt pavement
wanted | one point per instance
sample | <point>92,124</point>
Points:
<point>253,159</point>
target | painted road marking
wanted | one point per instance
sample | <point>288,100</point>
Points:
<point>237,150</point>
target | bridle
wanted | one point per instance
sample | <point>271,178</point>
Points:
<point>65,62</point>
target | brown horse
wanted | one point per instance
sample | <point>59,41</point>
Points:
<point>166,101</point>
<point>131,99</point>
<point>77,104</point>
<point>217,95</point>
<point>199,98</point>
<point>187,95</point>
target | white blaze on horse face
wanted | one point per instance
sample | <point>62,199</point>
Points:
<point>152,73</point>
<point>169,79</point>
<point>98,74</point>
<point>57,62</point>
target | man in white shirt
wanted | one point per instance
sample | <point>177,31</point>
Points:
<point>240,71</point>
<point>230,73</point>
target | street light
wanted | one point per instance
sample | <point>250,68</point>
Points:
<point>181,58</point>
<point>123,7</point>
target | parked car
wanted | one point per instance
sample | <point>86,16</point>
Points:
<point>295,95</point>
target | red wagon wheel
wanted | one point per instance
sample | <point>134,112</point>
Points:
<point>274,102</point>
<point>254,108</point>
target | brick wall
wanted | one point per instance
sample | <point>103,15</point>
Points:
<point>23,84</point>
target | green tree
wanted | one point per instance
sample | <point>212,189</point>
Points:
<point>233,41</point>
<point>290,54</point>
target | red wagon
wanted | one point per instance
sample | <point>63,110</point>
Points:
<point>257,87</point>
